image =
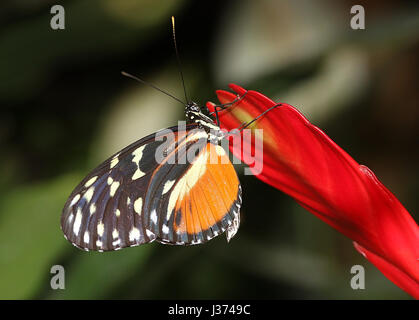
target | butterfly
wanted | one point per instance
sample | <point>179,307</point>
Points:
<point>146,193</point>
<point>176,186</point>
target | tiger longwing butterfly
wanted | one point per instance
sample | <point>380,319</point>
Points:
<point>146,193</point>
<point>133,198</point>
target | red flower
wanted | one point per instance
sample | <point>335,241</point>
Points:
<point>302,161</point>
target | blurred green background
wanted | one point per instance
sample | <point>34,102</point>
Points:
<point>65,107</point>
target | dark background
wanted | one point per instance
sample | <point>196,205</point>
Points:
<point>65,107</point>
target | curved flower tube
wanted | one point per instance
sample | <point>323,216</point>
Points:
<point>303,162</point>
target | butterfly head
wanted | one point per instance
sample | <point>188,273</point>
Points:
<point>194,113</point>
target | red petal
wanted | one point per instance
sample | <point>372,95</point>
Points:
<point>302,161</point>
<point>390,271</point>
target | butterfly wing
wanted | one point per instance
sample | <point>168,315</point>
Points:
<point>104,212</point>
<point>165,186</point>
<point>194,202</point>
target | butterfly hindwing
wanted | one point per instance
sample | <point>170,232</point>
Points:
<point>194,202</point>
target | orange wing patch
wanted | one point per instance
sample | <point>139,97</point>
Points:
<point>206,200</point>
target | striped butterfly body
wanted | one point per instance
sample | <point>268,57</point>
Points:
<point>176,186</point>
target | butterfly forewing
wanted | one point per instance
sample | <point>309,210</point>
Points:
<point>104,212</point>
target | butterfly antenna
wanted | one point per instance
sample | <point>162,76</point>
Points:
<point>178,59</point>
<point>151,85</point>
<point>246,124</point>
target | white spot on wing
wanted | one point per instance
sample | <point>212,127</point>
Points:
<point>110,180</point>
<point>114,161</point>
<point>149,234</point>
<point>86,237</point>
<point>165,229</point>
<point>75,199</point>
<point>137,155</point>
<point>138,174</point>
<point>89,194</point>
<point>90,182</point>
<point>92,208</point>
<point>114,187</point>
<point>77,222</point>
<point>168,185</point>
<point>117,213</point>
<point>134,234</point>
<point>115,234</point>
<point>153,216</point>
<point>138,204</point>
<point>100,229</point>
